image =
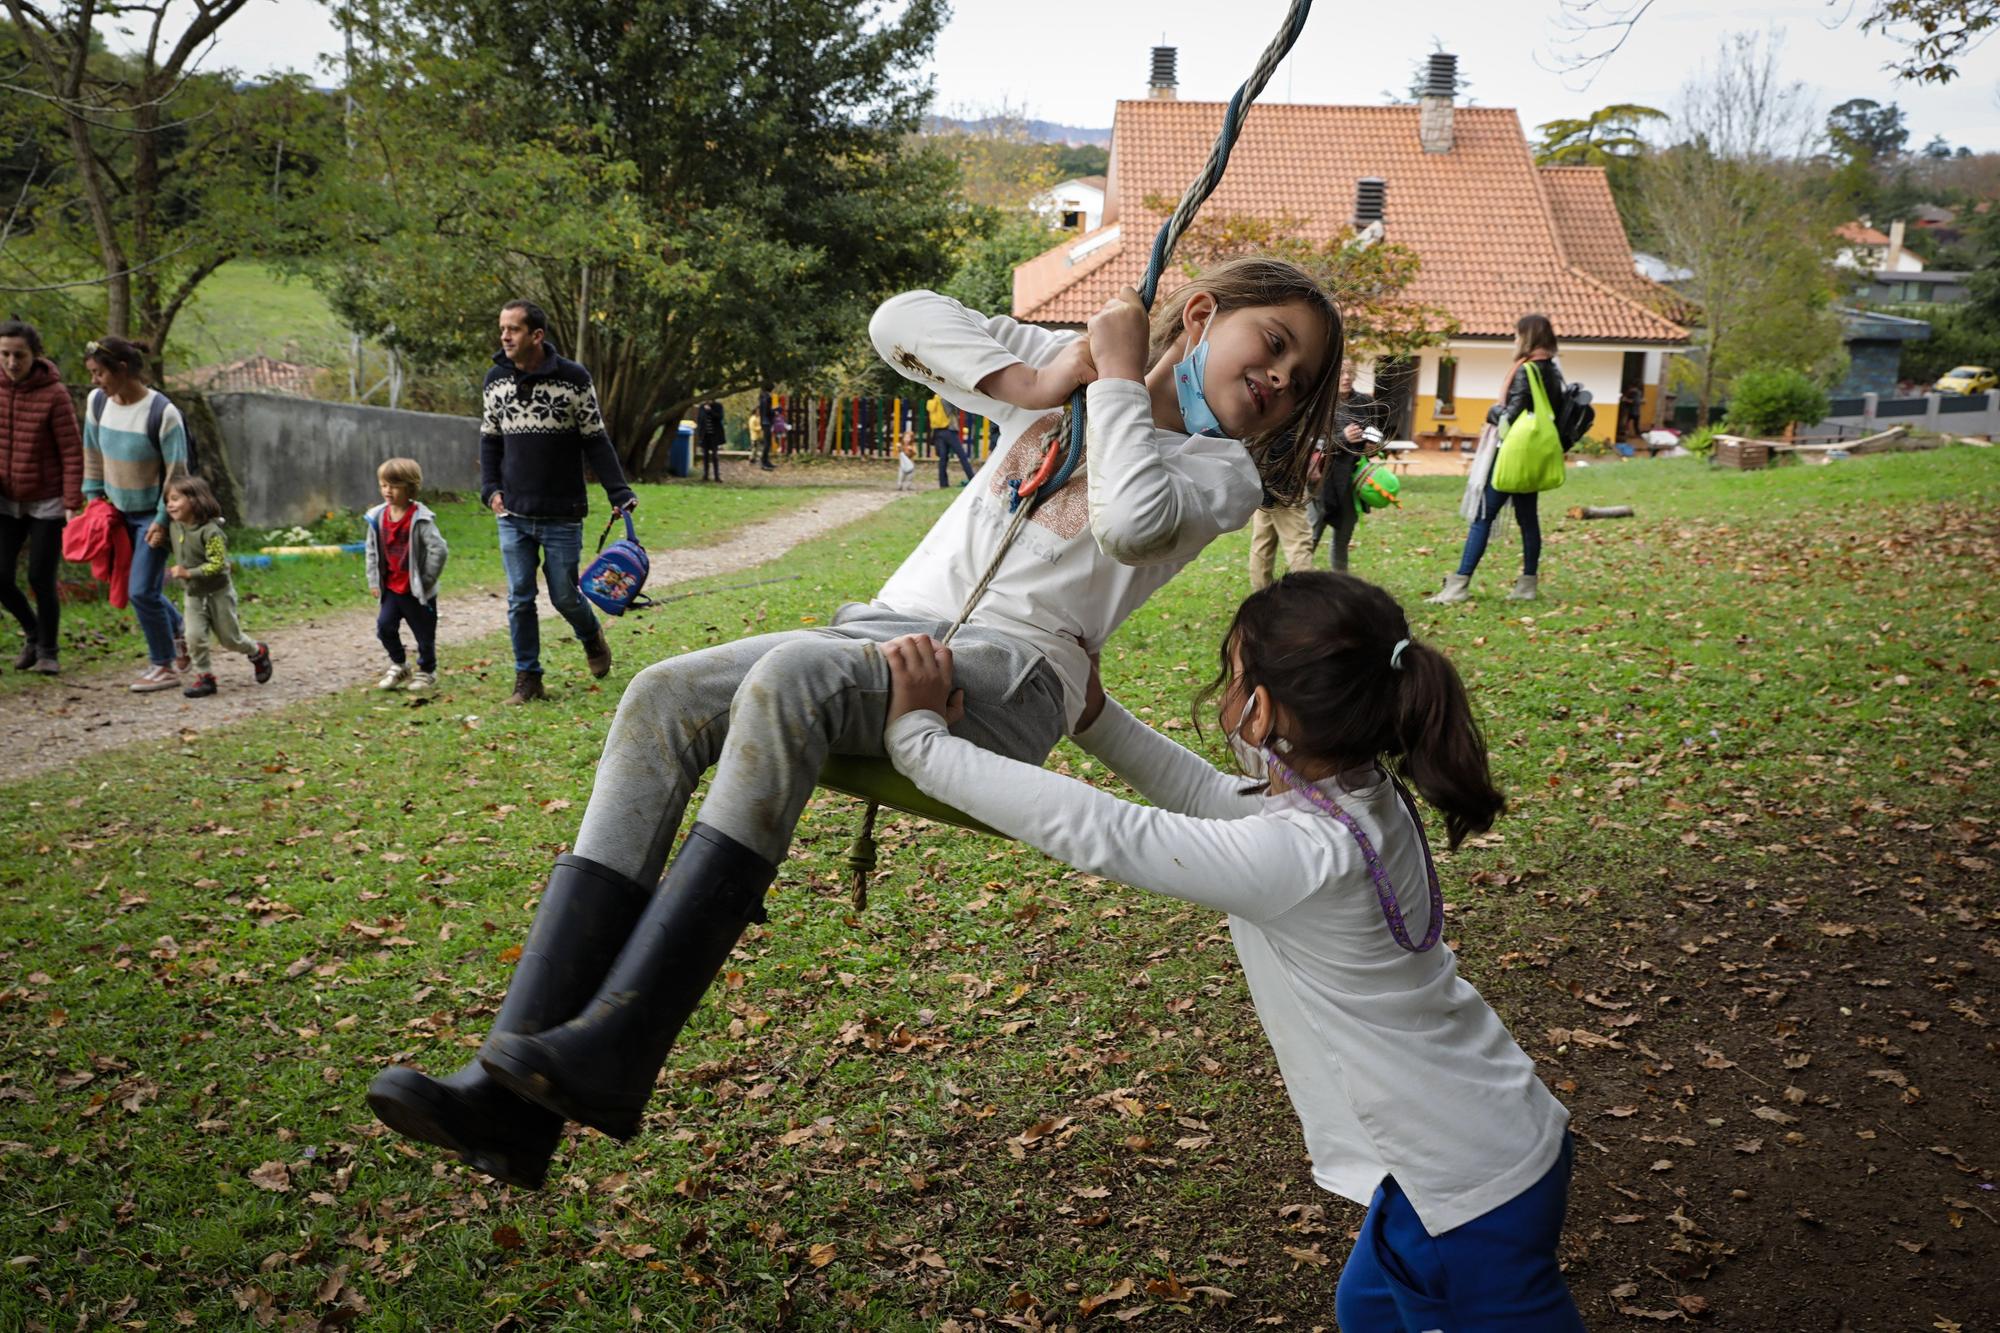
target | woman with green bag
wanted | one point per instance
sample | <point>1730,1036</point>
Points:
<point>1520,456</point>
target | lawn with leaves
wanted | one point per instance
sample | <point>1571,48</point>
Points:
<point>1740,912</point>
<point>292,589</point>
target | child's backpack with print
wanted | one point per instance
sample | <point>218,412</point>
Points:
<point>614,579</point>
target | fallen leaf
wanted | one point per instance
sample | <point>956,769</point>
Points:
<point>273,1176</point>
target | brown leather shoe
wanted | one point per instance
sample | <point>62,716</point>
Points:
<point>598,654</point>
<point>527,688</point>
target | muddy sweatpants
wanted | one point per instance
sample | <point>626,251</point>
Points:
<point>766,711</point>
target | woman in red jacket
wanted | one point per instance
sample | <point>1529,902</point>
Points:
<point>41,486</point>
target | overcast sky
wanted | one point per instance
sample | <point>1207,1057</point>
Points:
<point>1070,60</point>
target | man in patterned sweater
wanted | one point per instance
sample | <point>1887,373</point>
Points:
<point>541,425</point>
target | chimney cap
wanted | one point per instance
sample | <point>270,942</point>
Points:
<point>1442,79</point>
<point>1163,79</point>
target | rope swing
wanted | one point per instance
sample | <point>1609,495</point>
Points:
<point>876,781</point>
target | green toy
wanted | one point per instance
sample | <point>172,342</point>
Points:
<point>1375,487</point>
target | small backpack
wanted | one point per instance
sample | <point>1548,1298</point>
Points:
<point>615,577</point>
<point>1574,415</point>
<point>156,415</point>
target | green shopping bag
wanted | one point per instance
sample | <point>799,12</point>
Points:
<point>1531,457</point>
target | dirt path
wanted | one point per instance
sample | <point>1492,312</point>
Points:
<point>88,714</point>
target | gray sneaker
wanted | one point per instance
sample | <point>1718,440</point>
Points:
<point>1524,589</point>
<point>154,679</point>
<point>422,682</point>
<point>1455,589</point>
<point>395,677</point>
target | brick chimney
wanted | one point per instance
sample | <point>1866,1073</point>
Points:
<point>1163,86</point>
<point>1434,127</point>
<point>1895,250</point>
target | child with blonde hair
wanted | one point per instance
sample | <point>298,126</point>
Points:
<point>406,555</point>
<point>201,563</point>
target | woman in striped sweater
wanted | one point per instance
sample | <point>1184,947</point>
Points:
<point>132,447</point>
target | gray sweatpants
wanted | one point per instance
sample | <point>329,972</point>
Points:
<point>766,711</point>
<point>213,615</point>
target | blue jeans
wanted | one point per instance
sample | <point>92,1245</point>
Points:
<point>557,545</point>
<point>947,441</point>
<point>1494,1274</point>
<point>1525,513</point>
<point>159,619</point>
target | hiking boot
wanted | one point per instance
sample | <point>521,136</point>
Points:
<point>260,663</point>
<point>154,679</point>
<point>1454,590</point>
<point>598,1069</point>
<point>1524,589</point>
<point>527,688</point>
<point>586,914</point>
<point>30,653</point>
<point>204,685</point>
<point>423,682</point>
<point>597,652</point>
<point>47,665</point>
<point>181,659</point>
<point>395,677</point>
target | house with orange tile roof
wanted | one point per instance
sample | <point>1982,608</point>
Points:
<point>1498,236</point>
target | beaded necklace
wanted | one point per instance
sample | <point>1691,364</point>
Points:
<point>1385,894</point>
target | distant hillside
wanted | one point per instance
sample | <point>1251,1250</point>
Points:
<point>1038,131</point>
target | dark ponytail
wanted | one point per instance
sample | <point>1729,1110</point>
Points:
<point>1443,754</point>
<point>1323,644</point>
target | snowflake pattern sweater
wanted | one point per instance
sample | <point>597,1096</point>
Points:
<point>538,429</point>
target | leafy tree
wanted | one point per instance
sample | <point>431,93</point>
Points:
<point>1768,399</point>
<point>1864,130</point>
<point>1608,135</point>
<point>1960,335</point>
<point>1082,160</point>
<point>984,278</point>
<point>1732,201</point>
<point>1937,33</point>
<point>704,194</point>
<point>1001,164</point>
<point>160,173</point>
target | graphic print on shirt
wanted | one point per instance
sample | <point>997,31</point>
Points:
<point>1064,513</point>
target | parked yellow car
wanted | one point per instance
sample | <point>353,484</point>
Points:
<point>1967,379</point>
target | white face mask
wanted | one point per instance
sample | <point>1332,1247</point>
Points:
<point>1249,758</point>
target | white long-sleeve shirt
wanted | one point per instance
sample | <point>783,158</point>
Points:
<point>1092,554</point>
<point>1393,1062</point>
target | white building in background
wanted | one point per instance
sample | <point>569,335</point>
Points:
<point>1866,250</point>
<point>1075,205</point>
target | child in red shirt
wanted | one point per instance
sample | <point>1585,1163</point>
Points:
<point>406,556</point>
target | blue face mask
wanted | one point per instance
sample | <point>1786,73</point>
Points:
<point>1198,416</point>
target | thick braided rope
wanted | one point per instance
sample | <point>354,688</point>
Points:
<point>1163,248</point>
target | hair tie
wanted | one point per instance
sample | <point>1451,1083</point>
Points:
<point>1396,654</point>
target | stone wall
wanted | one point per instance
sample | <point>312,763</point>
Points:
<point>295,458</point>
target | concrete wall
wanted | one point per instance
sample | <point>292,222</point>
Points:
<point>296,458</point>
<point>1950,414</point>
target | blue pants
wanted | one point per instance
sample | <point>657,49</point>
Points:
<point>1525,513</point>
<point>402,608</point>
<point>947,441</point>
<point>556,544</point>
<point>1494,1274</point>
<point>159,618</point>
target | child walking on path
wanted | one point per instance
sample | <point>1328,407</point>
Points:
<point>906,466</point>
<point>1188,409</point>
<point>201,562</point>
<point>1414,1098</point>
<point>406,555</point>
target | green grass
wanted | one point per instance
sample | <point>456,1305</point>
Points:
<point>213,946</point>
<point>247,309</point>
<point>671,516</point>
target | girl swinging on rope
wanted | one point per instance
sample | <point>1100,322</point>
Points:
<point>1189,418</point>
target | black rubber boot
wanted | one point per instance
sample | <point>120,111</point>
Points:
<point>598,1068</point>
<point>585,917</point>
